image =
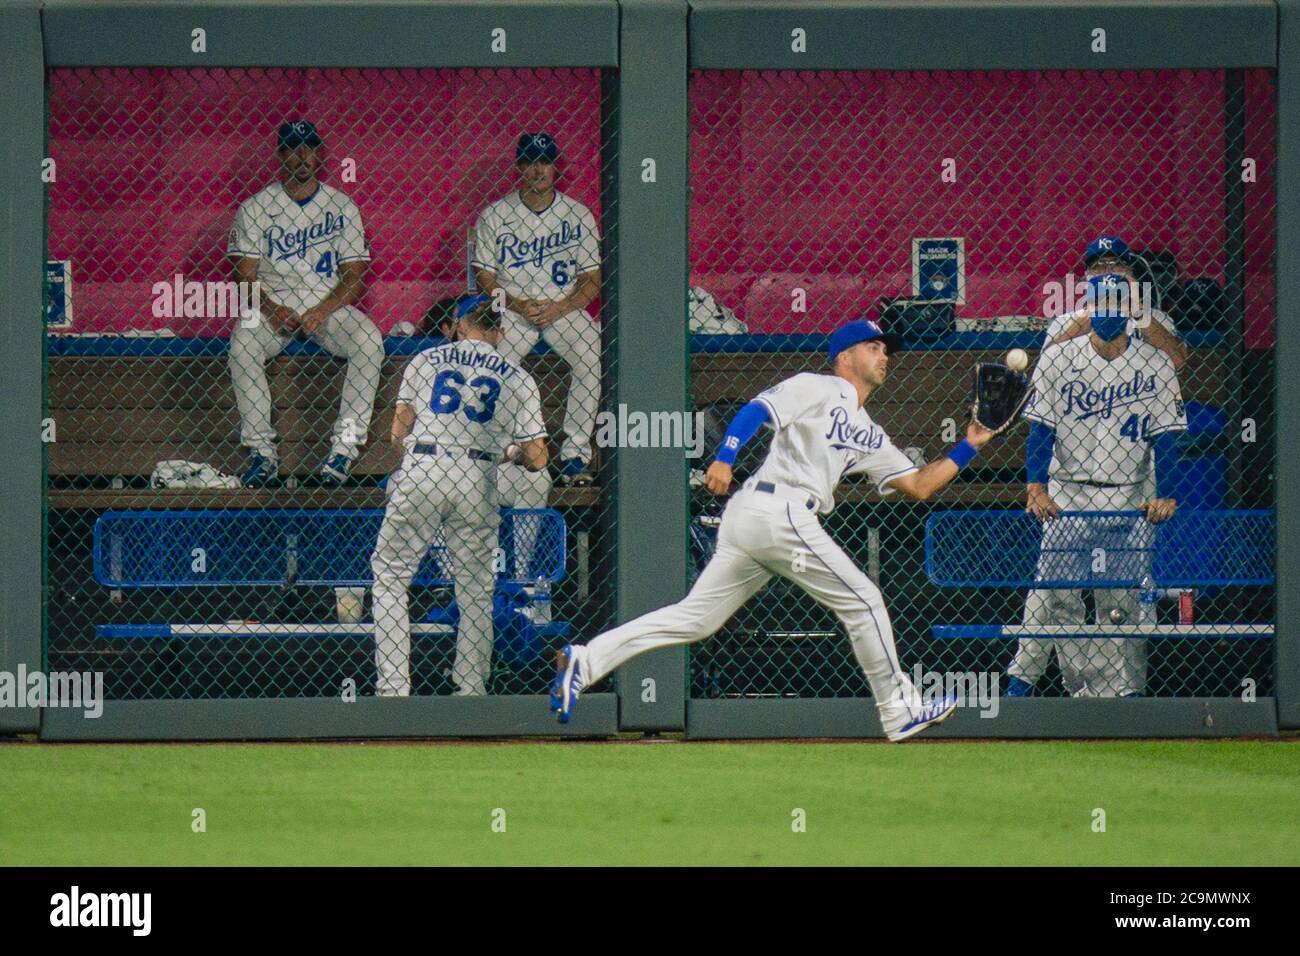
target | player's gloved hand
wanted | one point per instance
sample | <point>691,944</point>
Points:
<point>718,478</point>
<point>314,319</point>
<point>1159,509</point>
<point>1040,503</point>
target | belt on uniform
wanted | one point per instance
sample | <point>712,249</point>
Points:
<point>790,494</point>
<point>1102,484</point>
<point>429,448</point>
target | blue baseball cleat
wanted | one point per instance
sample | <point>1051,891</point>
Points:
<point>568,683</point>
<point>1016,687</point>
<point>935,712</point>
<point>335,470</point>
<point>260,471</point>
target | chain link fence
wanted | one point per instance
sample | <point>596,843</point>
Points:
<point>959,208</point>
<point>253,273</point>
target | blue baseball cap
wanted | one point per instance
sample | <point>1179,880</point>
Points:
<point>536,146</point>
<point>861,330</point>
<point>1102,246</point>
<point>296,132</point>
<point>470,303</point>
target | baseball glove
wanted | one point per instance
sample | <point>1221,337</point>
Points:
<point>998,396</point>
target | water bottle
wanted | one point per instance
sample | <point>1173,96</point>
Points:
<point>542,602</point>
<point>1149,598</point>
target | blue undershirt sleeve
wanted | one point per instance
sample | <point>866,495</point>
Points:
<point>1166,451</point>
<point>742,428</point>
<point>1038,452</point>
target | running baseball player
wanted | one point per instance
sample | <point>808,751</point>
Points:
<point>304,242</point>
<point>822,433</point>
<point>1102,408</point>
<point>540,248</point>
<point>460,407</point>
<point>1110,255</point>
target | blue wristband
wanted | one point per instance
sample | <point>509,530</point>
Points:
<point>962,453</point>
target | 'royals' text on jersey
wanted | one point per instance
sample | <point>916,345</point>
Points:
<point>823,434</point>
<point>536,255</point>
<point>1105,413</point>
<point>465,395</point>
<point>300,244</point>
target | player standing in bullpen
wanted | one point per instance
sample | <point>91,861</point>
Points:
<point>540,248</point>
<point>770,526</point>
<point>305,243</point>
<point>459,408</point>
<point>1102,407</point>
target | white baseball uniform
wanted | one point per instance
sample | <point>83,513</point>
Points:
<point>469,403</point>
<point>539,255</point>
<point>1104,415</point>
<point>770,527</point>
<point>300,245</point>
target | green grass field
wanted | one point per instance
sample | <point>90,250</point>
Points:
<point>935,803</point>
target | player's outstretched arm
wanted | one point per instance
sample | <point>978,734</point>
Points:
<point>403,422</point>
<point>925,482</point>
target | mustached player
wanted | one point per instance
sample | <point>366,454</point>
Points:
<point>1103,407</point>
<point>305,243</point>
<point>770,527</point>
<point>460,407</point>
<point>540,248</point>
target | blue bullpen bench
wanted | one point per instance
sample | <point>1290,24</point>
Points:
<point>291,547</point>
<point>1002,549</point>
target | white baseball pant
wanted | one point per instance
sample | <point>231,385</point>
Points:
<point>576,337</point>
<point>1092,667</point>
<point>457,495</point>
<point>517,487</point>
<point>349,334</point>
<point>762,535</point>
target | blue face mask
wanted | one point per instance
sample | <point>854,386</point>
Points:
<point>1109,326</point>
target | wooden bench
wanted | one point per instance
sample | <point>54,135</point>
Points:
<point>118,416</point>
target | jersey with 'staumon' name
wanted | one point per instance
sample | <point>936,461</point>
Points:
<point>536,255</point>
<point>822,435</point>
<point>1105,412</point>
<point>466,396</point>
<point>300,245</point>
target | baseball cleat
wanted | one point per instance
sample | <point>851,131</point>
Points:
<point>261,471</point>
<point>568,683</point>
<point>335,470</point>
<point>935,712</point>
<point>573,474</point>
<point>1016,687</point>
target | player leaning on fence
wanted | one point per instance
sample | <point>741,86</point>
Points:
<point>1103,405</point>
<point>460,408</point>
<point>822,432</point>
<point>304,242</point>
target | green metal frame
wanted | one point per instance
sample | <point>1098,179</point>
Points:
<point>653,43</point>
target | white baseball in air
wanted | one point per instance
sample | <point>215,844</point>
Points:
<point>1017,360</point>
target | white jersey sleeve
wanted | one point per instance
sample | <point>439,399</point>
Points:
<point>485,233</point>
<point>1170,412</point>
<point>527,411</point>
<point>352,245</point>
<point>245,234</point>
<point>588,255</point>
<point>882,465</point>
<point>406,392</point>
<point>788,401</point>
<point>1041,406</point>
